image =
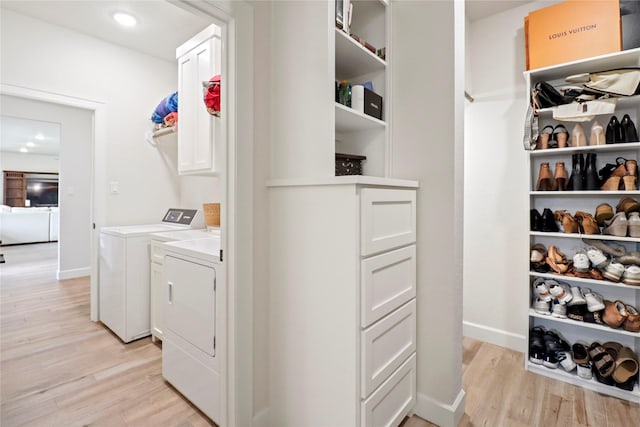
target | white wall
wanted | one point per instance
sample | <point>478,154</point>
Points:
<point>426,145</point>
<point>130,84</point>
<point>496,220</point>
<point>75,189</point>
<point>10,161</point>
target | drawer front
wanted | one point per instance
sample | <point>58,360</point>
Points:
<point>386,345</point>
<point>388,219</point>
<point>157,254</point>
<point>387,281</point>
<point>393,400</point>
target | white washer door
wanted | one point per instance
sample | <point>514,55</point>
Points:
<point>190,308</point>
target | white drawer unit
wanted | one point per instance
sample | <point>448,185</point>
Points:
<point>342,302</point>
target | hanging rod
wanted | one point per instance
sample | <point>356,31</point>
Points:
<point>468,97</point>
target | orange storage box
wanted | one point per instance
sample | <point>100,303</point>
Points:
<point>572,30</point>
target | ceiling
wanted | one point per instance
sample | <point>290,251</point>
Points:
<point>478,9</point>
<point>37,137</point>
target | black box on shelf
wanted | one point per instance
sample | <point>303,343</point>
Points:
<point>372,104</point>
<point>349,164</point>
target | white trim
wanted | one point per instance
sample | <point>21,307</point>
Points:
<point>439,413</point>
<point>99,149</point>
<point>73,273</point>
<point>494,336</point>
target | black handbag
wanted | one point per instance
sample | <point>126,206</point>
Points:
<point>544,96</point>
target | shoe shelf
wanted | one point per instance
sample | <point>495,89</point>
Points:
<point>582,281</point>
<point>622,102</point>
<point>604,328</point>
<point>627,146</point>
<point>584,193</point>
<point>585,236</point>
<point>591,384</point>
<point>350,120</point>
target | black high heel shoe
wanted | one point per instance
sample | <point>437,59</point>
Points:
<point>629,133</point>
<point>614,132</point>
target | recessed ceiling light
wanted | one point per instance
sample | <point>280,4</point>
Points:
<point>124,19</point>
<point>24,150</point>
<point>39,136</point>
<point>30,144</point>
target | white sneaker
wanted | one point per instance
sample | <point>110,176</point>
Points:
<point>584,371</point>
<point>597,258</point>
<point>566,361</point>
<point>594,301</point>
<point>578,298</point>
<point>613,271</point>
<point>631,275</point>
<point>560,292</point>
<point>581,261</point>
<point>558,310</point>
<point>542,307</point>
<point>541,290</point>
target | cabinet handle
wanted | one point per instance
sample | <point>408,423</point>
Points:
<point>170,292</point>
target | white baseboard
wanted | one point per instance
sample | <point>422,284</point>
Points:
<point>261,419</point>
<point>440,413</point>
<point>495,336</point>
<point>72,274</point>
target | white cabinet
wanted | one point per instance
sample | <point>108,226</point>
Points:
<point>343,312</point>
<point>156,290</point>
<point>569,243</point>
<point>199,133</point>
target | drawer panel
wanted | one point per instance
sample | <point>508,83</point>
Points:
<point>389,404</point>
<point>388,219</point>
<point>388,280</point>
<point>157,254</point>
<point>386,345</point>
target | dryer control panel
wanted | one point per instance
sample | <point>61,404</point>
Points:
<point>190,218</point>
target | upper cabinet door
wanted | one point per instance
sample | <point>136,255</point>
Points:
<point>199,133</point>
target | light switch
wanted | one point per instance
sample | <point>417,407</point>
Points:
<point>115,187</point>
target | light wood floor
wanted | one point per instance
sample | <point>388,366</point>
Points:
<point>60,369</point>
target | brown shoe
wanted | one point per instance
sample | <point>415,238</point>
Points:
<point>632,322</point>
<point>632,167</point>
<point>544,178</point>
<point>588,223</point>
<point>560,178</point>
<point>629,183</point>
<point>627,205</point>
<point>615,313</point>
<point>569,223</point>
<point>604,211</point>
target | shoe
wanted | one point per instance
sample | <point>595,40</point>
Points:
<point>541,290</point>
<point>614,314</point>
<point>616,226</point>
<point>629,133</point>
<point>614,132</point>
<point>558,309</point>
<point>591,181</point>
<point>557,261</point>
<point>542,307</point>
<point>578,298</point>
<point>633,224</point>
<point>560,135</point>
<point>559,292</point>
<point>544,178</point>
<point>544,138</point>
<point>566,361</point>
<point>549,222</point>
<point>587,222</point>
<point>597,258</point>
<point>632,167</point>
<point>631,275</point>
<point>625,366</point>
<point>584,371</point>
<point>535,220</point>
<point>601,359</point>
<point>604,211</point>
<point>560,178</point>
<point>581,261</point>
<point>629,183</point>
<point>536,345</point>
<point>580,353</point>
<point>594,301</point>
<point>568,222</point>
<point>632,322</point>
<point>613,271</point>
<point>597,134</point>
<point>628,205</point>
<point>538,253</point>
<point>578,137</point>
<point>576,180</point>
<point>577,312</point>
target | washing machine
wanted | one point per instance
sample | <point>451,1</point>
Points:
<point>123,287</point>
<point>194,340</point>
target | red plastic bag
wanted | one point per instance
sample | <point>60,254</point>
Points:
<point>212,96</point>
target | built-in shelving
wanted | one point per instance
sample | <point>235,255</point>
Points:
<point>605,328</point>
<point>350,120</point>
<point>152,136</point>
<point>352,59</point>
<point>585,236</point>
<point>629,146</point>
<point>582,281</point>
<point>584,193</point>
